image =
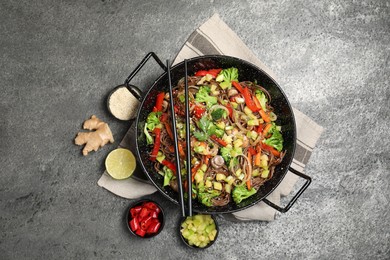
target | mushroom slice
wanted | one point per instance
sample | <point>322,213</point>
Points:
<point>217,161</point>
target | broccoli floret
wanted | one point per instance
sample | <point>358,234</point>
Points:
<point>241,192</point>
<point>205,197</point>
<point>168,174</point>
<point>225,153</point>
<point>153,120</point>
<point>226,76</point>
<point>276,140</point>
<point>262,99</point>
<point>218,113</point>
<point>203,96</point>
<point>149,138</point>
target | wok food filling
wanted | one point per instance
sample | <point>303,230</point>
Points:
<point>235,140</point>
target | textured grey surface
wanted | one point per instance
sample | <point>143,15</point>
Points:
<point>60,60</point>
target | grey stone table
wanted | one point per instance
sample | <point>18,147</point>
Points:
<point>60,59</point>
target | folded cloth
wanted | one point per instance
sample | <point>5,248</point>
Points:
<point>215,37</point>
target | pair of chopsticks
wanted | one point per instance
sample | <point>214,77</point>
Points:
<point>188,146</point>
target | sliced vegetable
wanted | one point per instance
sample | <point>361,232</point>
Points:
<point>144,219</point>
<point>157,143</point>
<point>203,96</point>
<point>227,76</point>
<point>276,139</point>
<point>159,102</point>
<point>261,97</point>
<point>199,230</point>
<point>249,101</point>
<point>168,174</point>
<point>218,140</point>
<point>212,72</point>
<point>153,120</point>
<point>241,192</point>
<point>170,165</point>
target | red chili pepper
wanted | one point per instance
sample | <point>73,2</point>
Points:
<point>154,226</point>
<point>249,101</point>
<point>159,102</point>
<point>152,206</point>
<point>157,143</point>
<point>199,111</point>
<point>238,86</point>
<point>154,214</point>
<point>145,223</point>
<point>170,165</point>
<point>144,213</point>
<point>134,211</point>
<point>134,224</point>
<point>218,140</point>
<point>140,232</point>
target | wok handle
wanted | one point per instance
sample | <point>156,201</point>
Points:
<point>296,196</point>
<point>133,89</point>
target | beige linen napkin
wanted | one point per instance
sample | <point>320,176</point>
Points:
<point>215,37</point>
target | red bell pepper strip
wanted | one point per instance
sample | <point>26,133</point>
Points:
<point>238,86</point>
<point>159,102</point>
<point>270,149</point>
<point>218,140</point>
<point>213,72</point>
<point>249,101</point>
<point>157,143</point>
<point>170,165</point>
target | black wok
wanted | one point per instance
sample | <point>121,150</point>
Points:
<point>247,71</point>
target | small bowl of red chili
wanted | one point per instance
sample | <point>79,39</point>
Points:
<point>145,218</point>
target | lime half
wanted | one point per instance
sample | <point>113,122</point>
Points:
<point>120,163</point>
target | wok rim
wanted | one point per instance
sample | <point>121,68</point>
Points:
<point>246,63</point>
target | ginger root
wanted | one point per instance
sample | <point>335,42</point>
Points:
<point>96,139</point>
